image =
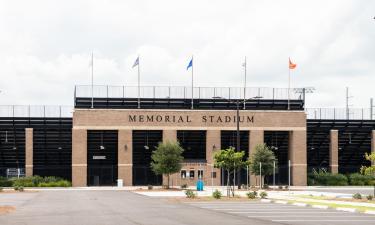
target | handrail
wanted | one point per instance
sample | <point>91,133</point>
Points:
<point>106,91</point>
<point>339,113</point>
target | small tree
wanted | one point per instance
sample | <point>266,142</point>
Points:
<point>167,159</point>
<point>263,154</point>
<point>370,170</point>
<point>229,160</point>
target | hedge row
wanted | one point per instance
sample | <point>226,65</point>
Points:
<point>34,181</point>
<point>329,179</point>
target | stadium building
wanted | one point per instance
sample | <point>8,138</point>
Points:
<point>111,132</point>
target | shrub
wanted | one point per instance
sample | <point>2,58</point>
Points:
<point>251,194</point>
<point>216,194</point>
<point>20,188</point>
<point>357,196</point>
<point>280,187</point>
<point>150,187</point>
<point>324,178</point>
<point>189,194</point>
<point>4,182</point>
<point>360,180</point>
<point>37,181</point>
<point>263,194</point>
<point>369,197</point>
<point>184,186</point>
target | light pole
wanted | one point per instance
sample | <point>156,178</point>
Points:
<point>238,103</point>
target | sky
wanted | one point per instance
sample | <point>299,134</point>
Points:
<point>45,46</point>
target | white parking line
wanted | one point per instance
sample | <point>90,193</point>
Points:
<point>322,220</point>
<point>290,212</point>
<point>302,216</point>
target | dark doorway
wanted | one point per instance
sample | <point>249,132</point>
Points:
<point>144,143</point>
<point>278,141</point>
<point>102,157</point>
<point>194,144</point>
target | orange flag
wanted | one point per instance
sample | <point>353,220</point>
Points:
<point>292,65</point>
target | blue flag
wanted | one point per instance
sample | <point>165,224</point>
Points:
<point>190,64</point>
<point>136,63</point>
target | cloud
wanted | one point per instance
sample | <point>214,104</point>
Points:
<point>46,46</point>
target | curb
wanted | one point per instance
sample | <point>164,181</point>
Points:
<point>300,204</point>
<point>281,202</point>
<point>317,206</point>
<point>320,206</point>
<point>346,209</point>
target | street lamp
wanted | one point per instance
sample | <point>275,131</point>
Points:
<point>238,103</point>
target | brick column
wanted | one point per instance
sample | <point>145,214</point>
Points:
<point>334,151</point>
<point>373,141</point>
<point>29,152</point>
<point>213,144</point>
<point>170,135</point>
<point>79,157</point>
<point>298,157</point>
<point>256,137</point>
<point>125,156</point>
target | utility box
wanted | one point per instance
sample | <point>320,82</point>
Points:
<point>200,185</point>
<point>120,183</point>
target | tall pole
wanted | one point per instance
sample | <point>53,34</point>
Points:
<point>192,83</point>
<point>260,174</point>
<point>274,172</point>
<point>247,177</point>
<point>289,174</point>
<point>238,139</point>
<point>92,80</point>
<point>371,108</point>
<point>139,84</point>
<point>347,103</point>
<point>289,90</point>
<point>244,88</point>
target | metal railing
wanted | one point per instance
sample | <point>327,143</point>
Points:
<point>42,111</point>
<point>105,91</point>
<point>339,113</point>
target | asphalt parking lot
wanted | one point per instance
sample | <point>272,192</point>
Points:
<point>81,207</point>
<point>287,214</point>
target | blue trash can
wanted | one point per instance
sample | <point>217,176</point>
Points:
<point>200,185</point>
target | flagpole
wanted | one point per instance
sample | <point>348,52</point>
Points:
<point>92,80</point>
<point>139,85</point>
<point>192,83</point>
<point>244,89</point>
<point>289,88</point>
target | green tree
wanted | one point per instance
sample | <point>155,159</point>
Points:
<point>262,154</point>
<point>231,161</point>
<point>167,159</point>
<point>370,170</point>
